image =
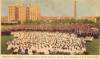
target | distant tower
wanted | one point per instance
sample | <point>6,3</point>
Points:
<point>75,9</point>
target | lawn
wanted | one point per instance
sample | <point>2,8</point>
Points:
<point>4,39</point>
<point>92,47</point>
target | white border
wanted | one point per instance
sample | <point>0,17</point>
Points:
<point>44,56</point>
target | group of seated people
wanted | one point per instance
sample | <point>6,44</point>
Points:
<point>37,42</point>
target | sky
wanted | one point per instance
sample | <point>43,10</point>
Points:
<point>58,7</point>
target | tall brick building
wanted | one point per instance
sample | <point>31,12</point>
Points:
<point>23,13</point>
<point>34,12</point>
<point>13,13</point>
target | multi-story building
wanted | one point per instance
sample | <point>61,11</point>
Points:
<point>35,12</point>
<point>13,13</point>
<point>27,13</point>
<point>31,12</point>
<point>23,13</point>
<point>18,13</point>
<point>4,19</point>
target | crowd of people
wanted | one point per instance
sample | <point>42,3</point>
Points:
<point>82,30</point>
<point>37,42</point>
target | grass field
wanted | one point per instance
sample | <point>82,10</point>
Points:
<point>92,47</point>
<point>4,39</point>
